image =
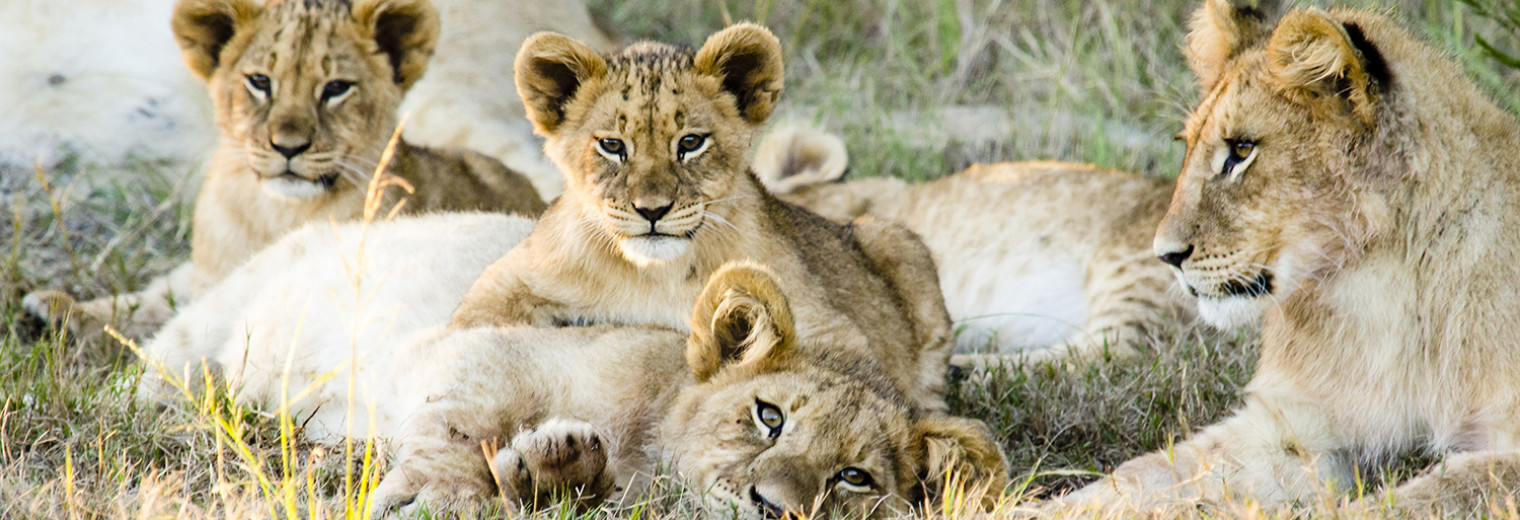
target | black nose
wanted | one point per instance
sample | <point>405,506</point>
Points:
<point>767,509</point>
<point>1177,257</point>
<point>290,151</point>
<point>653,214</point>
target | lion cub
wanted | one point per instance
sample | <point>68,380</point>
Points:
<point>654,141</point>
<point>306,95</point>
<point>1037,258</point>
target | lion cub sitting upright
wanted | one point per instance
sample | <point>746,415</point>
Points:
<point>654,143</point>
<point>306,95</point>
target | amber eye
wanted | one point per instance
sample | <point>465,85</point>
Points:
<point>259,82</point>
<point>335,89</point>
<point>769,416</point>
<point>1242,149</point>
<point>856,477</point>
<point>689,144</point>
<point>612,147</point>
<point>1236,156</point>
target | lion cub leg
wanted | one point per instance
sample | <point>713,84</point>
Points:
<point>136,315</point>
<point>1272,452</point>
<point>1459,486</point>
<point>560,459</point>
<point>443,463</point>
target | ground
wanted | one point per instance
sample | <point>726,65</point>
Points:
<point>919,89</point>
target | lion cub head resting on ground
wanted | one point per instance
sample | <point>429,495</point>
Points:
<point>651,177</point>
<point>762,425</point>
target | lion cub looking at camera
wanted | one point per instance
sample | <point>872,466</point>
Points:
<point>306,95</point>
<point>654,143</point>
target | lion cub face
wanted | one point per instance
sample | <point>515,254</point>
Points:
<point>772,429</point>
<point>652,139</point>
<point>306,91</point>
<point>1275,191</point>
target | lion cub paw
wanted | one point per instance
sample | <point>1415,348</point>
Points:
<point>53,307</point>
<point>561,459</point>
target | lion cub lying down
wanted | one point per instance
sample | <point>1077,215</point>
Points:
<point>1036,258</point>
<point>1344,181</point>
<point>655,142</point>
<point>743,408</point>
<point>305,95</point>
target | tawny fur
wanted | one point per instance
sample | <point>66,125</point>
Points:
<point>587,413</point>
<point>1377,205</point>
<point>467,100</point>
<point>252,193</point>
<point>1036,259</point>
<point>641,226</point>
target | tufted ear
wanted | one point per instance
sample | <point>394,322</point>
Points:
<point>741,319</point>
<point>792,157</point>
<point>1315,59</point>
<point>1221,29</point>
<point>405,30</point>
<point>550,69</point>
<point>964,447</point>
<point>203,28</point>
<point>748,58</point>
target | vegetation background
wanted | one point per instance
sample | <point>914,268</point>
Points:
<point>918,88</point>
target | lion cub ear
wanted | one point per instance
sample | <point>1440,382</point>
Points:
<point>1221,29</point>
<point>203,28</point>
<point>550,69</point>
<point>741,319</point>
<point>748,59</point>
<point>405,30</point>
<point>963,447</point>
<point>795,156</point>
<point>1313,57</point>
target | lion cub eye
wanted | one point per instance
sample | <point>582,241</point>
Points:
<point>770,418</point>
<point>613,149</point>
<point>336,89</point>
<point>259,84</point>
<point>1234,157</point>
<point>856,477</point>
<point>690,145</point>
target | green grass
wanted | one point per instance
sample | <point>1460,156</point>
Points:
<point>918,88</point>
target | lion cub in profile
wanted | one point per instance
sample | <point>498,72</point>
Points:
<point>1036,258</point>
<point>306,95</point>
<point>654,142</point>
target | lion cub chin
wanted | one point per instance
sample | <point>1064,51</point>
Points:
<point>651,250</point>
<point>654,141</point>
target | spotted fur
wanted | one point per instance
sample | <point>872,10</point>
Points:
<point>643,224</point>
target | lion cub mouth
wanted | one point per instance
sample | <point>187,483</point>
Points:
<point>1256,286</point>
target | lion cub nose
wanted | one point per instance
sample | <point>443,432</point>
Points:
<point>290,149</point>
<point>1174,257</point>
<point>653,214</point>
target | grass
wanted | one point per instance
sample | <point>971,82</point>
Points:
<point>918,88</point>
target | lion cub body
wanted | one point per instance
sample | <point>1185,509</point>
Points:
<point>655,143</point>
<point>1345,182</point>
<point>305,96</point>
<point>590,409</point>
<point>1035,258</point>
